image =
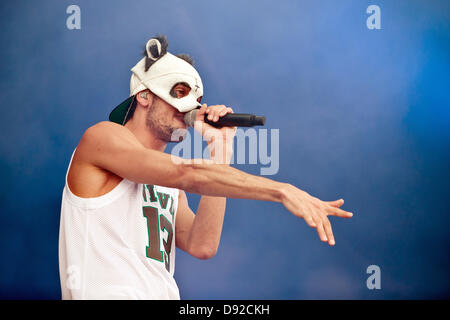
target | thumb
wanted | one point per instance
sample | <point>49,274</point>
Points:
<point>199,122</point>
<point>201,113</point>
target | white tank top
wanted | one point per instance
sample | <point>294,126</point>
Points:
<point>120,245</point>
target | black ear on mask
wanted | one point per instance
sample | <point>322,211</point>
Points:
<point>155,48</point>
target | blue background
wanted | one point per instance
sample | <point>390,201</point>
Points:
<point>363,115</point>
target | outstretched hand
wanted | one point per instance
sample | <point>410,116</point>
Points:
<point>314,211</point>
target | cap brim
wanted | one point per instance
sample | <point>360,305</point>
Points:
<point>119,113</point>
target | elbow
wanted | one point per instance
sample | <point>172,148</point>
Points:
<point>204,253</point>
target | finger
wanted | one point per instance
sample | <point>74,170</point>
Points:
<point>218,112</point>
<point>332,211</point>
<point>328,231</point>
<point>210,113</point>
<point>199,123</point>
<point>214,114</point>
<point>226,111</point>
<point>336,203</point>
<point>320,229</point>
<point>310,221</point>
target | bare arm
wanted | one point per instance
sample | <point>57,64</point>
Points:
<point>114,148</point>
<point>199,234</point>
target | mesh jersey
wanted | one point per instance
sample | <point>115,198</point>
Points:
<point>120,245</point>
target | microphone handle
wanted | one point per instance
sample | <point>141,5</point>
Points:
<point>237,120</point>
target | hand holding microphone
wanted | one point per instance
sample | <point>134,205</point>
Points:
<point>225,120</point>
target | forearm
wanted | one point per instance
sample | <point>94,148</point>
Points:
<point>115,149</point>
<point>221,180</point>
<point>206,229</point>
<point>207,226</point>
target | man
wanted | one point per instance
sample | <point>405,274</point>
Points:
<point>124,206</point>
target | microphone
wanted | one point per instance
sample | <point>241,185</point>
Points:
<point>228,120</point>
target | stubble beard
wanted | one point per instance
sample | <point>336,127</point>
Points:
<point>159,129</point>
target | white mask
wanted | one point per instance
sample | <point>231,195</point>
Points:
<point>164,72</point>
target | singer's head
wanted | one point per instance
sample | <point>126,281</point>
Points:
<point>163,87</point>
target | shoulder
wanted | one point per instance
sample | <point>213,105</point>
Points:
<point>98,137</point>
<point>85,177</point>
<point>106,133</point>
<point>99,129</point>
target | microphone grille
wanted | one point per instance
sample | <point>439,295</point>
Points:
<point>189,117</point>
